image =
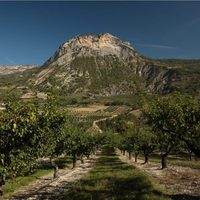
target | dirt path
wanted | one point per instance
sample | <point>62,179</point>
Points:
<point>95,126</point>
<point>175,179</point>
<point>47,188</point>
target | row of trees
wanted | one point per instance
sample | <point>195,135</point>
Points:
<point>136,140</point>
<point>168,124</point>
<point>33,130</point>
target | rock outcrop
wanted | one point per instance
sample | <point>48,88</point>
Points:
<point>93,45</point>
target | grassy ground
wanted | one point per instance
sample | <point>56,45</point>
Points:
<point>112,179</point>
<point>43,169</point>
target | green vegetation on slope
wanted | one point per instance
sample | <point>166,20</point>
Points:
<point>187,74</point>
<point>100,75</point>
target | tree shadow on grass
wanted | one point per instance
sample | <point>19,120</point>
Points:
<point>184,197</point>
<point>112,179</point>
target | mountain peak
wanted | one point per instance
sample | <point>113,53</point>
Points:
<point>96,41</point>
<point>104,44</point>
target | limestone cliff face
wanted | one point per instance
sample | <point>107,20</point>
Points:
<point>93,45</point>
<point>103,62</point>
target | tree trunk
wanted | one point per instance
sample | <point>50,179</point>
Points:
<point>146,158</point>
<point>55,167</point>
<point>81,158</point>
<point>193,148</point>
<point>163,161</point>
<point>74,161</point>
<point>1,193</point>
<point>136,156</point>
<point>129,155</point>
<point>190,155</point>
<point>196,159</point>
<point>124,152</point>
<point>2,182</point>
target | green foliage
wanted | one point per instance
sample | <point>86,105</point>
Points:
<point>28,131</point>
<point>175,118</point>
<point>79,142</point>
<point>117,124</point>
<point>131,140</point>
<point>147,142</point>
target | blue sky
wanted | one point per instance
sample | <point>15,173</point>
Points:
<point>30,32</point>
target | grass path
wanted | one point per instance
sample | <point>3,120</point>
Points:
<point>112,179</point>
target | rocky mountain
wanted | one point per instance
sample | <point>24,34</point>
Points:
<point>93,46</point>
<point>98,64</point>
<point>104,65</point>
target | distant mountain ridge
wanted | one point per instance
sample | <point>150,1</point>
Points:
<point>10,69</point>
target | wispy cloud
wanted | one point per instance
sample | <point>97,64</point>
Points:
<point>12,62</point>
<point>155,46</point>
